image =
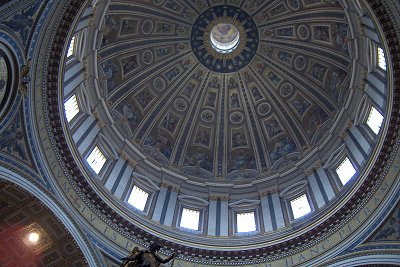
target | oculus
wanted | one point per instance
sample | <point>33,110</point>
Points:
<point>224,39</point>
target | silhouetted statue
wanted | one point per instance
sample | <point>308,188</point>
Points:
<point>145,258</point>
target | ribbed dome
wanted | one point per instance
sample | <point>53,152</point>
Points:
<point>225,109</point>
<point>168,99</point>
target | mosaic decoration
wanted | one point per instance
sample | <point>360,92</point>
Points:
<point>203,136</point>
<point>22,22</point>
<point>284,111</point>
<point>264,109</point>
<point>236,117</point>
<point>273,128</point>
<point>390,229</point>
<point>300,104</point>
<point>300,63</point>
<point>4,78</point>
<point>13,140</point>
<point>293,4</point>
<point>207,116</point>
<point>223,93</point>
<point>286,90</point>
<point>129,26</point>
<point>281,148</point>
<point>147,57</point>
<point>239,138</point>
<point>303,32</point>
<point>129,64</point>
<point>322,33</point>
<point>180,104</point>
<point>246,30</point>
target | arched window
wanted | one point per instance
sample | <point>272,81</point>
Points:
<point>300,206</point>
<point>71,107</point>
<point>345,171</point>
<point>71,47</point>
<point>381,59</point>
<point>245,222</point>
<point>138,198</point>
<point>190,219</point>
<point>374,120</point>
<point>96,159</point>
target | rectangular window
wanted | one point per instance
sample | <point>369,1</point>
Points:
<point>375,120</point>
<point>70,51</point>
<point>345,171</point>
<point>381,59</point>
<point>96,160</point>
<point>71,108</point>
<point>138,198</point>
<point>246,222</point>
<point>300,206</point>
<point>190,219</point>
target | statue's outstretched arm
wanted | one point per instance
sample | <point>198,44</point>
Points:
<point>134,257</point>
<point>167,259</point>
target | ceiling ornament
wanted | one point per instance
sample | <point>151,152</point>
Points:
<point>224,38</point>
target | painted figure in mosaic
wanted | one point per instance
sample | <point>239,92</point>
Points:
<point>145,258</point>
<point>130,114</point>
<point>282,148</point>
<point>23,22</point>
<point>235,100</point>
<point>11,140</point>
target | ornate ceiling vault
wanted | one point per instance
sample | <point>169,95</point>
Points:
<point>238,116</point>
<point>222,107</point>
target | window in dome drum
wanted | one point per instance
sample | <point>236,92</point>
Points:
<point>190,219</point>
<point>300,206</point>
<point>138,198</point>
<point>246,222</point>
<point>96,160</point>
<point>375,120</point>
<point>345,171</point>
<point>381,58</point>
<point>71,108</point>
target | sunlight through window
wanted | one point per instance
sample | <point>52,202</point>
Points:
<point>345,171</point>
<point>71,108</point>
<point>138,198</point>
<point>246,222</point>
<point>71,47</point>
<point>300,206</point>
<point>381,59</point>
<point>190,219</point>
<point>96,160</point>
<point>375,120</point>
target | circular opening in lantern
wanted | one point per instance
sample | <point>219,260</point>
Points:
<point>224,37</point>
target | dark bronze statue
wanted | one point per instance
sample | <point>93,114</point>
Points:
<point>145,258</point>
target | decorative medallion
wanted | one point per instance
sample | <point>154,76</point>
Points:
<point>293,4</point>
<point>236,117</point>
<point>286,90</point>
<point>303,32</point>
<point>264,109</point>
<point>180,104</point>
<point>159,84</point>
<point>224,38</point>
<point>147,57</point>
<point>207,116</point>
<point>300,63</point>
<point>147,27</point>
